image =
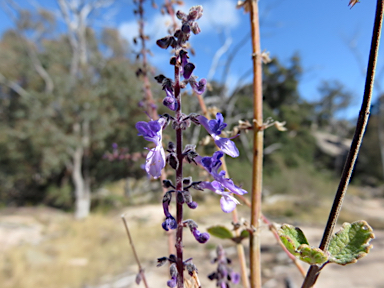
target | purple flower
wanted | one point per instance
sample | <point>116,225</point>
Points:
<point>170,222</point>
<point>197,87</point>
<point>214,128</point>
<point>172,282</point>
<point>212,165</point>
<point>152,131</point>
<point>227,202</point>
<point>170,100</point>
<point>186,67</point>
<point>200,237</point>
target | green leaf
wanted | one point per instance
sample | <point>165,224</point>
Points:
<point>244,234</point>
<point>312,255</point>
<point>220,232</point>
<point>350,243</point>
<point>292,237</point>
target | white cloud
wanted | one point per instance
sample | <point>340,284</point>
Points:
<point>129,30</point>
<point>217,13</point>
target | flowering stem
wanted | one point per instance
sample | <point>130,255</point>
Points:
<point>314,271</point>
<point>141,270</point>
<point>179,183</point>
<point>254,244</point>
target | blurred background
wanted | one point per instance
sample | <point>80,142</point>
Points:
<point>70,157</point>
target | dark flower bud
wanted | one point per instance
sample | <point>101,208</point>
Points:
<point>138,278</point>
<point>164,42</point>
<point>187,197</point>
<point>196,185</point>
<point>172,258</point>
<point>187,181</point>
<point>194,119</point>
<point>173,61</point>
<point>185,28</point>
<point>161,261</point>
<point>195,28</point>
<point>171,147</point>
<point>173,270</point>
<point>191,268</point>
<point>181,15</point>
<point>168,184</point>
<point>195,13</point>
<point>167,197</point>
<point>212,276</point>
<point>160,78</point>
<point>178,34</point>
<point>185,123</point>
<point>188,69</point>
<point>173,161</point>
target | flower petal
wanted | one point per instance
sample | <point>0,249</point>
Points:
<point>227,203</point>
<point>227,146</point>
<point>155,161</point>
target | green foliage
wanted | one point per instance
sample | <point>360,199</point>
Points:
<point>292,238</point>
<point>350,243</point>
<point>220,232</point>
<point>346,246</point>
<point>38,138</point>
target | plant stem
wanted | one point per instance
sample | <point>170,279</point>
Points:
<point>257,174</point>
<point>141,270</point>
<point>239,246</point>
<point>179,184</point>
<point>149,102</point>
<point>314,271</point>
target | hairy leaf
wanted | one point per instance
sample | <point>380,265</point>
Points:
<point>350,243</point>
<point>292,238</point>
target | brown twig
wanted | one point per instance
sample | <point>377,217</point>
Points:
<point>141,270</point>
<point>273,229</point>
<point>239,246</point>
<point>257,165</point>
<point>361,125</point>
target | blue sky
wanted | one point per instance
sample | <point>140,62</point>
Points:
<point>320,32</point>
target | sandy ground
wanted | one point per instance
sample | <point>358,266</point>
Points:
<point>21,229</point>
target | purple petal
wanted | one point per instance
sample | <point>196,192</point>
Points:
<point>217,125</point>
<point>228,183</point>
<point>205,123</point>
<point>227,204</point>
<point>170,103</point>
<point>227,146</point>
<point>155,161</point>
<point>169,223</point>
<point>187,70</point>
<point>235,277</point>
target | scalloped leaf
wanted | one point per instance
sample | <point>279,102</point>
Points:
<point>350,243</point>
<point>292,237</point>
<point>312,255</point>
<point>220,232</point>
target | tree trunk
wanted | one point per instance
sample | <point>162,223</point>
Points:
<point>82,189</point>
